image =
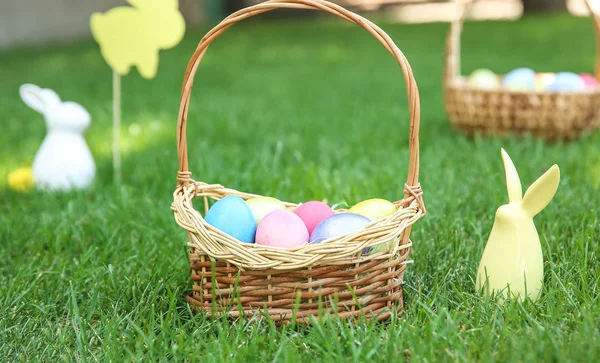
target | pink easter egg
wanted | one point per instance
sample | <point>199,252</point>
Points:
<point>281,228</point>
<point>312,213</point>
<point>589,80</point>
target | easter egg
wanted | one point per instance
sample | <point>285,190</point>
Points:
<point>484,79</point>
<point>520,79</point>
<point>382,247</point>
<point>233,216</point>
<point>261,206</point>
<point>337,225</point>
<point>589,80</point>
<point>543,80</point>
<point>21,180</point>
<point>312,213</point>
<point>567,82</point>
<point>374,208</point>
<point>281,228</point>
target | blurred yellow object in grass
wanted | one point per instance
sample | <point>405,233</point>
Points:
<point>21,180</point>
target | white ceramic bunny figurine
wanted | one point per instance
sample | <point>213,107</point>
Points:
<point>64,161</point>
<point>513,255</point>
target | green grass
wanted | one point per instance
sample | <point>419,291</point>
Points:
<point>296,110</point>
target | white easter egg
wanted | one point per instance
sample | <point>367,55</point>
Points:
<point>484,79</point>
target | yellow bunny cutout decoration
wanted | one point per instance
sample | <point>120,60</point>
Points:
<point>131,36</point>
<point>512,259</point>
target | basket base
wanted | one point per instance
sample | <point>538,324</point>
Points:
<point>550,136</point>
<point>547,115</point>
<point>285,316</point>
<point>371,288</point>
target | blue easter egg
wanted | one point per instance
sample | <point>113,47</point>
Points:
<point>233,216</point>
<point>337,225</point>
<point>567,81</point>
<point>520,79</point>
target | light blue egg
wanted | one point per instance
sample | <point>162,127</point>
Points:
<point>567,81</point>
<point>520,79</point>
<point>233,216</point>
<point>337,225</point>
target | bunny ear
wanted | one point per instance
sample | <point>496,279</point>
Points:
<point>541,192</point>
<point>136,3</point>
<point>50,97</point>
<point>39,99</point>
<point>513,183</point>
<point>31,95</point>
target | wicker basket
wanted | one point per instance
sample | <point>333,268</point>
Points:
<point>238,279</point>
<point>548,115</point>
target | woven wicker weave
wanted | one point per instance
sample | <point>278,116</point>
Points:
<point>548,115</point>
<point>236,279</point>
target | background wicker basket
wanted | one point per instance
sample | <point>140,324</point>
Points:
<point>548,115</point>
<point>233,278</point>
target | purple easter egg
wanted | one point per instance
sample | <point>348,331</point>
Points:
<point>337,225</point>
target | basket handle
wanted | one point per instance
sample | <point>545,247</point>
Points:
<point>596,21</point>
<point>452,53</point>
<point>184,176</point>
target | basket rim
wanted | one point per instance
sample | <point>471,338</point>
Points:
<point>458,85</point>
<point>338,250</point>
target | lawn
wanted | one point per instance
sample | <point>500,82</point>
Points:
<point>296,109</point>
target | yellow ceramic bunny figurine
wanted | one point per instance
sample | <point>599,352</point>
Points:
<point>513,255</point>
